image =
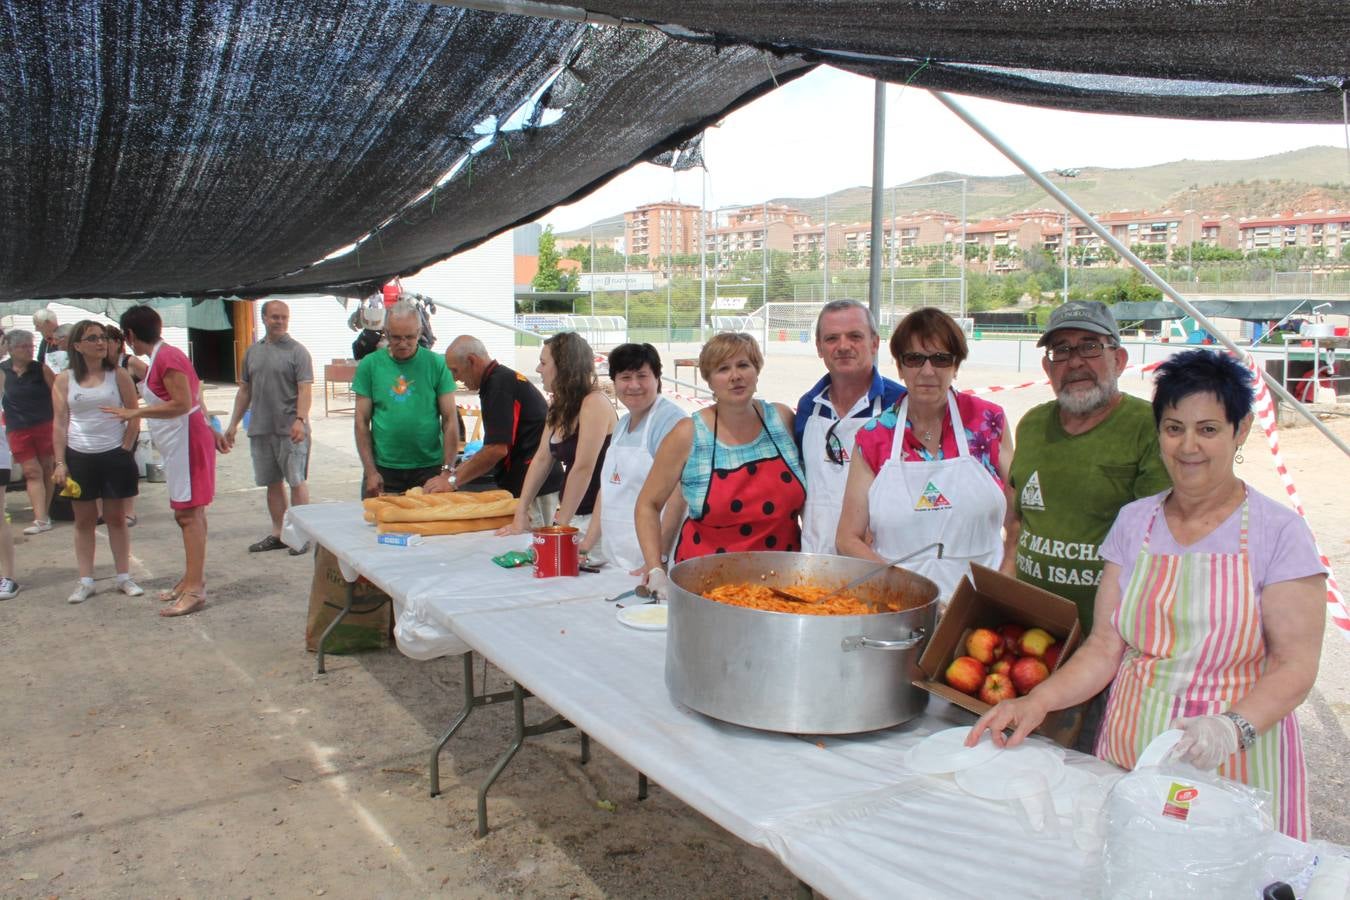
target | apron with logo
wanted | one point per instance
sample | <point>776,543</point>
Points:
<point>1194,647</point>
<point>625,469</point>
<point>751,507</point>
<point>827,446</point>
<point>955,501</point>
<point>171,439</point>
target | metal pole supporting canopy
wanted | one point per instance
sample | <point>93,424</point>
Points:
<point>1125,254</point>
<point>878,175</point>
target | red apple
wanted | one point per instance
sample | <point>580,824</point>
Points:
<point>997,687</point>
<point>966,674</point>
<point>1052,655</point>
<point>1003,666</point>
<point>1035,641</point>
<point>985,645</point>
<point>1012,637</point>
<point>1028,672</point>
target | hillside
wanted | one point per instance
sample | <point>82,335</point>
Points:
<point>1300,180</point>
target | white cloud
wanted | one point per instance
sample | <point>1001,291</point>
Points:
<point>814,135</point>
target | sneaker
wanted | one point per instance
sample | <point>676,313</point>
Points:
<point>38,527</point>
<point>8,588</point>
<point>81,593</point>
<point>130,588</point>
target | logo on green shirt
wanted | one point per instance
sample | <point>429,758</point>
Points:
<point>1031,494</point>
<point>402,389</point>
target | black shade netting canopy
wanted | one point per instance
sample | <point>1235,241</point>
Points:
<point>1202,59</point>
<point>218,147</point>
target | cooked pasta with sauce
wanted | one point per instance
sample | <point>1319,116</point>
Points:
<point>758,596</point>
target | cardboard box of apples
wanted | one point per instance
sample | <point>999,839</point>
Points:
<point>997,640</point>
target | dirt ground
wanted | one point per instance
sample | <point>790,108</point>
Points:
<point>202,757</point>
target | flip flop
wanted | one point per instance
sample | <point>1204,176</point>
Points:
<point>198,603</point>
<point>171,595</point>
<point>271,542</point>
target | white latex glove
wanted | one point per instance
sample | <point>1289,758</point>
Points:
<point>657,582</point>
<point>1206,742</point>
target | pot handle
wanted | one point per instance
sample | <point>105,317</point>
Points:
<point>863,642</point>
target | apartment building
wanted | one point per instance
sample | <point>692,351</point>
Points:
<point>660,230</point>
<point>1329,231</point>
<point>809,239</point>
<point>1169,228</point>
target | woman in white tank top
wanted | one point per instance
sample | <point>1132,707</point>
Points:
<point>93,449</point>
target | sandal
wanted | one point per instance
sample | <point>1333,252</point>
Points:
<point>198,602</point>
<point>131,521</point>
<point>171,595</point>
<point>271,542</point>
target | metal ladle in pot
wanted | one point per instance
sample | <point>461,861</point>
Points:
<point>871,573</point>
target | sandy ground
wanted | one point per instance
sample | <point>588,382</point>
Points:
<point>202,757</point>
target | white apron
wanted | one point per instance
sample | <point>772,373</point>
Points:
<point>955,501</point>
<point>621,477</point>
<point>825,479</point>
<point>171,440</point>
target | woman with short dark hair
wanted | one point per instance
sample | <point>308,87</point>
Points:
<point>94,450</point>
<point>185,440</point>
<point>635,370</point>
<point>1211,608</point>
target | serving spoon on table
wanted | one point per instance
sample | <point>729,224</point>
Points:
<point>871,573</point>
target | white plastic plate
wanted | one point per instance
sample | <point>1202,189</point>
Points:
<point>1158,748</point>
<point>647,617</point>
<point>945,752</point>
<point>997,779</point>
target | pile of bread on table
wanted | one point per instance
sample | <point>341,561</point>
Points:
<point>450,513</point>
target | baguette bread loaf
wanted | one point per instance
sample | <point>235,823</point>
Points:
<point>447,512</point>
<point>416,500</point>
<point>450,498</point>
<point>457,526</point>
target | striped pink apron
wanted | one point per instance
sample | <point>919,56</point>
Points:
<point>1194,647</point>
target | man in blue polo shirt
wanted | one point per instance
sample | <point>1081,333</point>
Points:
<point>831,412</point>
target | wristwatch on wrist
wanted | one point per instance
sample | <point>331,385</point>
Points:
<point>1246,732</point>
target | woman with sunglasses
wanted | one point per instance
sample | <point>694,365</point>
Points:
<point>933,469</point>
<point>94,448</point>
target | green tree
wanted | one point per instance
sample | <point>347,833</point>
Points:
<point>548,278</point>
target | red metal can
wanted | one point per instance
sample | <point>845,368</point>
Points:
<point>555,551</point>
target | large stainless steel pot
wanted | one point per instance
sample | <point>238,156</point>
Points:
<point>790,672</point>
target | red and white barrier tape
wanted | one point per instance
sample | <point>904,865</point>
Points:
<point>1265,416</point>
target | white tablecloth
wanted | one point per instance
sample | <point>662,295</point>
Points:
<point>844,814</point>
<point>444,577</point>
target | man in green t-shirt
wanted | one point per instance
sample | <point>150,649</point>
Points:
<point>1080,457</point>
<point>407,433</point>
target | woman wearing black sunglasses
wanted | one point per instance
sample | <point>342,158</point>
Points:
<point>932,469</point>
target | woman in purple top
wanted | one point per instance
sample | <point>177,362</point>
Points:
<point>1210,612</point>
<point>580,421</point>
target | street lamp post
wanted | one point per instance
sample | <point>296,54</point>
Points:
<point>1066,174</point>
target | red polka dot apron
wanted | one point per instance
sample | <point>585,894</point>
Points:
<point>754,506</point>
<point>1192,626</point>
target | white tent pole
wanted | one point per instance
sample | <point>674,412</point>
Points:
<point>878,175</point>
<point>1125,254</point>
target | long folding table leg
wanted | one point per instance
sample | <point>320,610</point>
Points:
<point>585,748</point>
<point>471,702</point>
<point>522,731</point>
<point>642,786</point>
<point>454,725</point>
<point>347,600</point>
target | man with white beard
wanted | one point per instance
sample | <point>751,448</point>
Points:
<point>1080,457</point>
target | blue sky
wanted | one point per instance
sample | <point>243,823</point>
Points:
<point>814,135</point>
